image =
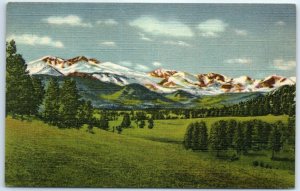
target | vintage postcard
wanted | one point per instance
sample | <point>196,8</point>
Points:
<point>112,95</point>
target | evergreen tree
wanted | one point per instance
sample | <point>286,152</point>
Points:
<point>103,123</point>
<point>89,110</point>
<point>69,103</point>
<point>119,129</point>
<point>142,124</point>
<point>19,87</point>
<point>81,114</point>
<point>150,123</point>
<point>218,136</point>
<point>291,131</point>
<point>248,136</point>
<point>230,131</point>
<point>283,130</point>
<point>188,136</point>
<point>126,121</point>
<point>258,135</point>
<point>239,139</point>
<point>196,137</point>
<point>276,143</point>
<point>38,94</point>
<point>51,103</point>
<point>203,142</point>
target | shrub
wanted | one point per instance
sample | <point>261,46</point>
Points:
<point>255,163</point>
<point>261,164</point>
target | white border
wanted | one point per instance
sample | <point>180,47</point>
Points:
<point>2,77</point>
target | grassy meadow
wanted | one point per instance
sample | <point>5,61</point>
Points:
<point>41,155</point>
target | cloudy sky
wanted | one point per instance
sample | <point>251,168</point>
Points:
<point>235,40</point>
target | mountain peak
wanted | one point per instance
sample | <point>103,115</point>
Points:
<point>162,73</point>
<point>63,63</point>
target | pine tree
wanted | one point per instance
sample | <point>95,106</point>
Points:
<point>51,103</point>
<point>291,131</point>
<point>126,121</point>
<point>69,103</point>
<point>188,136</point>
<point>38,94</point>
<point>103,123</point>
<point>142,124</point>
<point>283,130</point>
<point>85,115</point>
<point>248,136</point>
<point>218,137</point>
<point>19,87</point>
<point>239,139</point>
<point>119,129</point>
<point>203,143</point>
<point>258,135</point>
<point>150,123</point>
<point>196,137</point>
<point>230,131</point>
<point>276,143</point>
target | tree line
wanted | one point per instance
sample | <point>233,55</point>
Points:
<point>253,135</point>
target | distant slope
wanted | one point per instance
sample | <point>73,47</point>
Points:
<point>136,95</point>
<point>226,99</point>
<point>110,95</point>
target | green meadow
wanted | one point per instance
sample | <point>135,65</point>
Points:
<point>40,155</point>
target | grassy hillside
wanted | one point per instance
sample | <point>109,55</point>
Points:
<point>225,99</point>
<point>41,155</point>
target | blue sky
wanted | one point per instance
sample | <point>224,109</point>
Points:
<point>255,40</point>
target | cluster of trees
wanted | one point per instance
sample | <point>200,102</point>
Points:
<point>278,102</point>
<point>242,137</point>
<point>24,93</point>
<point>139,118</point>
<point>196,136</point>
<point>63,107</point>
<point>60,106</point>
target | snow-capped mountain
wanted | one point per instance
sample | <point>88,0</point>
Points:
<point>160,80</point>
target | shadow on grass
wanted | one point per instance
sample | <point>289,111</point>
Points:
<point>255,154</point>
<point>163,140</point>
<point>283,159</point>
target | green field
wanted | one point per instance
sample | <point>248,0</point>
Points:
<point>41,155</point>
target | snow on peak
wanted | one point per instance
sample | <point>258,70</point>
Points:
<point>159,80</point>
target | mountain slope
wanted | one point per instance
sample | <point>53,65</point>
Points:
<point>136,95</point>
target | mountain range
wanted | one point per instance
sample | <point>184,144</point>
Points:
<point>112,85</point>
<point>160,80</point>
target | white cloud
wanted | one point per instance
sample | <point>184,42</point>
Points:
<point>71,20</point>
<point>110,22</point>
<point>177,43</point>
<point>212,28</point>
<point>126,63</point>
<point>141,67</point>
<point>284,65</point>
<point>238,61</point>
<point>108,43</point>
<point>165,28</point>
<point>280,23</point>
<point>34,40</point>
<point>144,37</point>
<point>156,64</point>
<point>240,32</point>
